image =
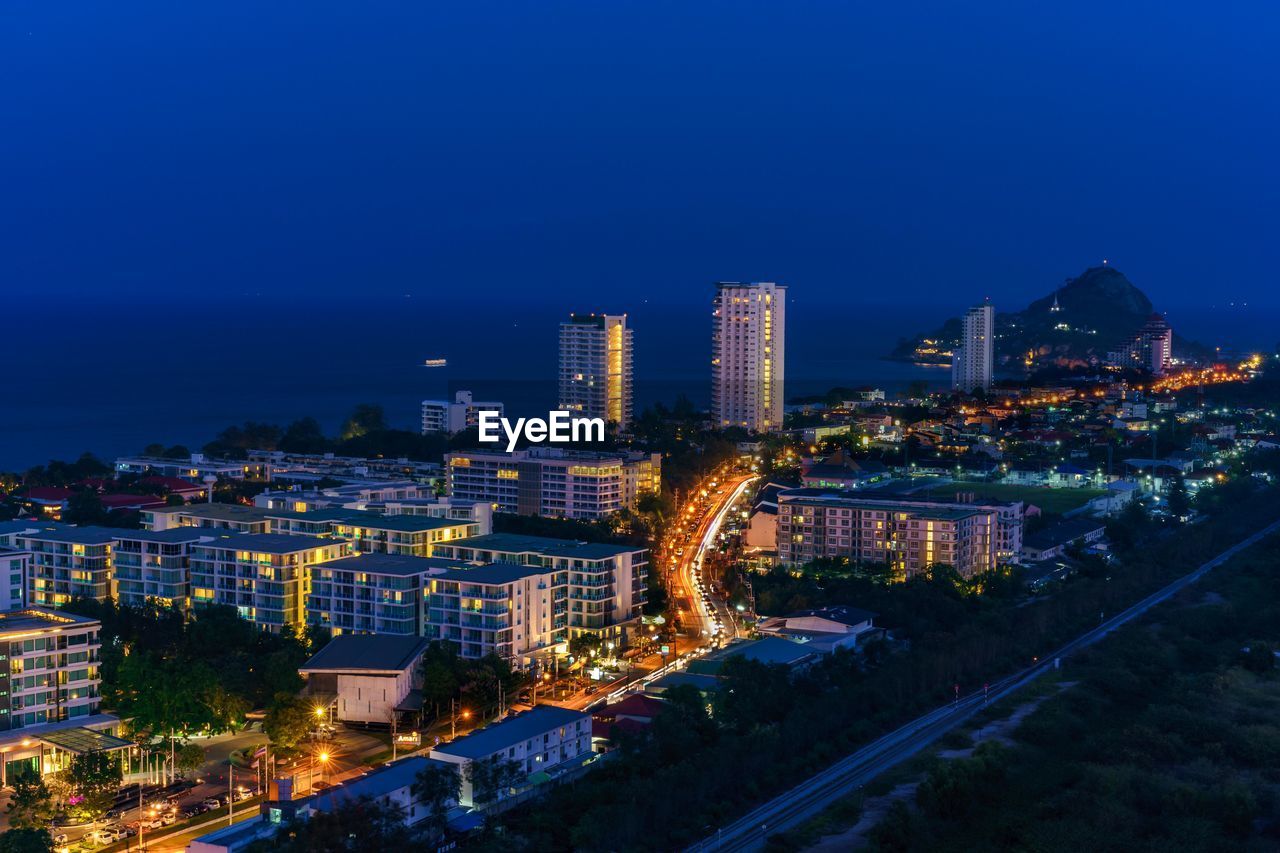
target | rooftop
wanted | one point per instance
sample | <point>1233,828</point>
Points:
<point>366,652</point>
<point>272,543</point>
<point>512,730</point>
<point>492,573</point>
<point>172,536</point>
<point>219,512</point>
<point>401,565</point>
<point>74,534</point>
<point>515,543</point>
<point>39,619</point>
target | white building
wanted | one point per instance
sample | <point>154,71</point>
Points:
<point>553,481</point>
<point>971,364</point>
<point>595,367</point>
<point>367,677</point>
<point>13,573</point>
<point>542,739</point>
<point>451,418</point>
<point>748,347</point>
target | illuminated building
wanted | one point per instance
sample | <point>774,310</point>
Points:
<point>815,525</point>
<point>68,561</point>
<point>264,576</point>
<point>372,593</point>
<point>604,586</point>
<point>450,418</point>
<point>971,363</point>
<point>552,481</point>
<point>156,564</point>
<point>595,367</point>
<point>14,564</point>
<point>748,349</point>
<point>1149,349</point>
<point>371,533</point>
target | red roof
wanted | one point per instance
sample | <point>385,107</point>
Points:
<point>606,730</point>
<point>49,494</point>
<point>636,705</point>
<point>173,484</point>
<point>131,501</point>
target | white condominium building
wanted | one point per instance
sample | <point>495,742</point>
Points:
<point>971,364</point>
<point>442,416</point>
<point>595,367</point>
<point>748,347</point>
<point>553,481</point>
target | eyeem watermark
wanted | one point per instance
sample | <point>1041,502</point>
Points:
<point>558,427</point>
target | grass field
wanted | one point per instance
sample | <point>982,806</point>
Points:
<point>1049,500</point>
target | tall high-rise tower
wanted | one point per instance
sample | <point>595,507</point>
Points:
<point>748,347</point>
<point>971,364</point>
<point>595,367</point>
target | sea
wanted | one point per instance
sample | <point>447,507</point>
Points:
<point>111,376</point>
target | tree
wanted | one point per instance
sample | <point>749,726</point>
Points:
<point>31,806</point>
<point>304,436</point>
<point>1179,499</point>
<point>190,757</point>
<point>366,418</point>
<point>438,786</point>
<point>95,778</point>
<point>288,721</point>
<point>352,827</point>
<point>84,507</point>
<point>27,840</point>
<point>490,777</point>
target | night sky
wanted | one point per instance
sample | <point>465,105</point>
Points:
<point>483,151</point>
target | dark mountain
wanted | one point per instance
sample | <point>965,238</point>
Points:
<point>1073,326</point>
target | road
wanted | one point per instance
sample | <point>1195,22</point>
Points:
<point>704,617</point>
<point>810,797</point>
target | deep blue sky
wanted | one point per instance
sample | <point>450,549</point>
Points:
<point>535,150</point>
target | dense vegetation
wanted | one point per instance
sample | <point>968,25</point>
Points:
<point>1170,740</point>
<point>766,740</point>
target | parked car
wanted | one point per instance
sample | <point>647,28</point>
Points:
<point>243,795</point>
<point>211,803</point>
<point>169,818</point>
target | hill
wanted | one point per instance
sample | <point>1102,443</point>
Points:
<point>1072,326</point>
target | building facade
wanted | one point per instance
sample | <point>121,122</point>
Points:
<point>14,563</point>
<point>748,350</point>
<point>450,418</point>
<point>68,562</point>
<point>908,539</point>
<point>596,367</point>
<point>552,481</point>
<point>972,362</point>
<point>51,671</point>
<point>156,564</point>
<point>372,593</point>
<point>1149,349</point>
<point>265,577</point>
<point>518,613</point>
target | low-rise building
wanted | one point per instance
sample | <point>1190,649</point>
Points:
<point>545,739</point>
<point>825,629</point>
<point>241,519</point>
<point>450,418</point>
<point>1055,540</point>
<point>552,481</point>
<point>264,576</point>
<point>366,678</point>
<point>372,593</point>
<point>156,565</point>
<point>193,470</point>
<point>813,525</point>
<point>606,584</point>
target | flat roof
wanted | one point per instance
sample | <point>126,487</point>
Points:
<point>40,619</point>
<point>401,565</point>
<point>70,533</point>
<point>492,573</point>
<point>374,784</point>
<point>512,730</point>
<point>272,543</point>
<point>172,536</point>
<point>366,652</point>
<point>82,740</point>
<point>516,543</point>
<point>218,512</point>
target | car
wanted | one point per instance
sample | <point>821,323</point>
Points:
<point>60,838</point>
<point>152,823</point>
<point>169,818</point>
<point>211,803</point>
<point>243,795</point>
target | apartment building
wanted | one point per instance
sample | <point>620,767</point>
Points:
<point>748,352</point>
<point>553,481</point>
<point>1009,514</point>
<point>156,564</point>
<point>519,613</point>
<point>51,671</point>
<point>211,516</point>
<point>68,562</point>
<point>372,533</point>
<point>606,585</point>
<point>193,469</point>
<point>372,593</point>
<point>264,576</point>
<point>13,577</point>
<point>596,367</point>
<point>814,525</point>
<point>972,361</point>
<point>536,741</point>
<point>450,418</point>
